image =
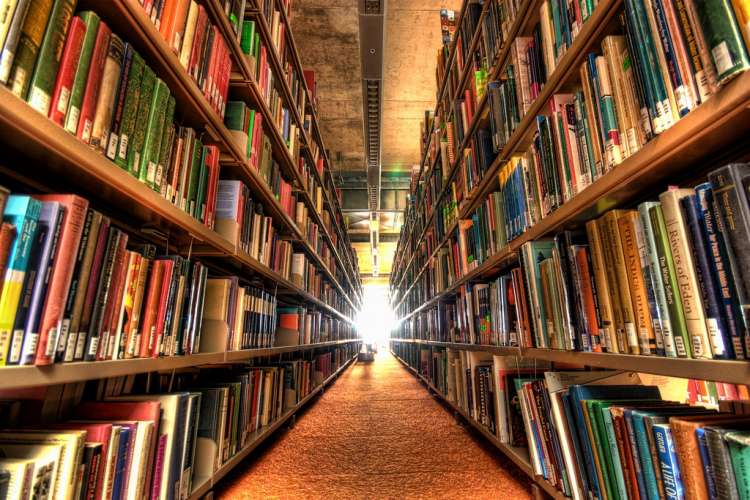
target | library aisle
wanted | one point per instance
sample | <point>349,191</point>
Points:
<point>376,433</point>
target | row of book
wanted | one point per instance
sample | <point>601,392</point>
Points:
<point>601,434</point>
<point>97,86</point>
<point>666,278</point>
<point>191,35</point>
<point>75,287</point>
<point>132,438</point>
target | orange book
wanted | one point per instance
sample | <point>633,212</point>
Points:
<point>151,310</point>
<point>62,273</point>
<point>627,223</point>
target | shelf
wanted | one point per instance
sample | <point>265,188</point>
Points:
<point>518,455</point>
<point>261,435</point>
<point>12,377</point>
<point>716,370</point>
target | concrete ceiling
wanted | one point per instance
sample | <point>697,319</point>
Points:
<point>327,34</point>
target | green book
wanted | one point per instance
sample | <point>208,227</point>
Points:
<point>195,171</point>
<point>9,47</point>
<point>28,46</point>
<point>250,128</point>
<point>130,109</point>
<point>200,192</point>
<point>723,37</point>
<point>738,443</point>
<point>165,147</point>
<point>247,40</point>
<point>266,161</point>
<point>82,70</point>
<point>50,52</point>
<point>138,137</point>
<point>669,279</point>
<point>154,125</point>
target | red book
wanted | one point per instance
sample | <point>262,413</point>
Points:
<point>310,81</point>
<point>198,41</point>
<point>151,309</point>
<point>67,72</point>
<point>149,411</point>
<point>168,13</point>
<point>226,69</point>
<point>166,284</point>
<point>178,27</point>
<point>100,433</point>
<point>62,273</point>
<point>213,60</point>
<point>213,181</point>
<point>257,146</point>
<point>106,341</point>
<point>93,82</point>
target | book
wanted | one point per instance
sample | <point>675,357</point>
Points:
<point>29,42</point>
<point>42,82</point>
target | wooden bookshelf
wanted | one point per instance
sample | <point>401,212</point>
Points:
<point>204,485</point>
<point>518,455</point>
<point>128,18</point>
<point>661,160</point>
<point>14,377</point>
<point>94,176</point>
<point>716,370</point>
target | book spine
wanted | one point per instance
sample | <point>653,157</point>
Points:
<point>129,119</point>
<point>720,268</point>
<point>50,53</point>
<point>660,312</point>
<point>10,47</point>
<point>135,150</point>
<point>122,91</point>
<point>66,74</point>
<point>105,280</point>
<point>93,83</point>
<point>107,94</point>
<point>152,142</point>
<point>57,292</point>
<point>647,339</point>
<point>670,471</point>
<point>73,113</point>
<point>723,37</point>
<point>28,47</point>
<point>717,329</point>
<point>733,222</point>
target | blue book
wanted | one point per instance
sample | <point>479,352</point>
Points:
<point>23,213</point>
<point>121,465</point>
<point>720,267</point>
<point>52,216</point>
<point>670,469</point>
<point>721,346</point>
<point>700,434</point>
<point>580,393</point>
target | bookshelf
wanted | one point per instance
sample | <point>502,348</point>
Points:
<point>428,303</point>
<point>42,157</point>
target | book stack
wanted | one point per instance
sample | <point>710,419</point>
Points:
<point>75,288</point>
<point>190,33</point>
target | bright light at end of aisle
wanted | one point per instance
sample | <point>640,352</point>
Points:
<point>376,319</point>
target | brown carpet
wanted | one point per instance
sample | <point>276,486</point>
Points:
<point>376,433</point>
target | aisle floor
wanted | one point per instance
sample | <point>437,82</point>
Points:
<point>376,433</point>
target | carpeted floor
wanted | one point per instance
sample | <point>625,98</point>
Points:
<point>376,433</point>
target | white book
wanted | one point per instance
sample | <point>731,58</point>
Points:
<point>21,472</point>
<point>71,442</point>
<point>47,459</point>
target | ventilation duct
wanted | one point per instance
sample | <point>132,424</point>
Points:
<point>372,43</point>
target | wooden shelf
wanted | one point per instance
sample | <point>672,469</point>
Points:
<point>259,436</point>
<point>717,370</point>
<point>13,377</point>
<point>518,455</point>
